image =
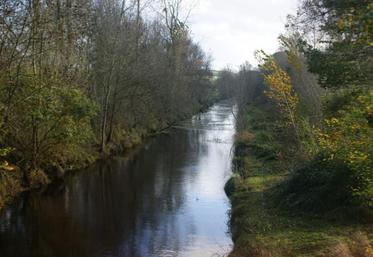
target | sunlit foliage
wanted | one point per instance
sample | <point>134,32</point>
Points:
<point>279,88</point>
<point>348,137</point>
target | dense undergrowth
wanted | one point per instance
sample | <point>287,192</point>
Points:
<point>278,212</point>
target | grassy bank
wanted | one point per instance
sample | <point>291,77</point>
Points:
<point>262,226</point>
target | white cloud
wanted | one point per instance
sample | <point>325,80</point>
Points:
<point>231,30</point>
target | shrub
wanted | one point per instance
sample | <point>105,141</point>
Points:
<point>37,178</point>
<point>348,138</point>
<point>320,186</point>
<point>10,183</point>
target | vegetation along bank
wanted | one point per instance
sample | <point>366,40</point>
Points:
<point>303,165</point>
<point>83,79</point>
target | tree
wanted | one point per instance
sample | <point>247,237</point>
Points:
<point>76,74</point>
<point>345,56</point>
<point>279,88</point>
<point>304,83</point>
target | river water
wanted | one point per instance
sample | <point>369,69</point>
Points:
<point>166,199</point>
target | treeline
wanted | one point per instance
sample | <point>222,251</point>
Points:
<point>83,77</point>
<point>305,132</point>
<point>318,98</point>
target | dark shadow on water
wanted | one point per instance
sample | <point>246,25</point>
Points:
<point>165,200</point>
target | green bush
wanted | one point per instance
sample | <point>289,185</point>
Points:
<point>37,179</point>
<point>348,137</point>
<point>51,124</point>
<point>322,186</point>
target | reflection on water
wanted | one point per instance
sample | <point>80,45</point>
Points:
<point>165,200</point>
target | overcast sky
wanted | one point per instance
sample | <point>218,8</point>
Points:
<point>231,30</point>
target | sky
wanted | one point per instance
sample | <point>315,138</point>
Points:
<point>231,30</point>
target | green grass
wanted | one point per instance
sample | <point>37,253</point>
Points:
<point>257,223</point>
<point>260,224</point>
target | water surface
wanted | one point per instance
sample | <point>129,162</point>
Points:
<point>167,199</point>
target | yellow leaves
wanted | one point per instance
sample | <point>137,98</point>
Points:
<point>356,157</point>
<point>369,250</point>
<point>345,21</point>
<point>6,166</point>
<point>332,121</point>
<point>279,86</point>
<point>349,137</point>
<point>5,151</point>
<point>340,24</point>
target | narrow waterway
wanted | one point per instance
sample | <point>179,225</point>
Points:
<point>166,199</point>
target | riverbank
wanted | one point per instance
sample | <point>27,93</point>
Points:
<point>165,197</point>
<point>262,226</point>
<point>13,181</point>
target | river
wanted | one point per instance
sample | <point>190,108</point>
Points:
<point>166,199</point>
